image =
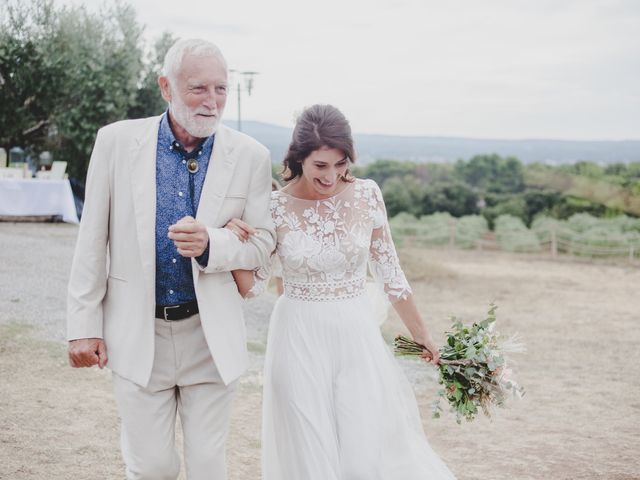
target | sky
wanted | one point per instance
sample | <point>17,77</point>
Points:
<point>557,69</point>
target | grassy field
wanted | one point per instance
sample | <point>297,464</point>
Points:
<point>578,420</point>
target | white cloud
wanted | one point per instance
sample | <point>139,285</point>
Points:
<point>508,69</point>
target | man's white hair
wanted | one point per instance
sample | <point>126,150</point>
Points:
<point>192,46</point>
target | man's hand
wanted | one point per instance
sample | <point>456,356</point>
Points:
<point>86,352</point>
<point>189,236</point>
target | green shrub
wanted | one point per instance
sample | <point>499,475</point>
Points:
<point>470,229</point>
<point>513,235</point>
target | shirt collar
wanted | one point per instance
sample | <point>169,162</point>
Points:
<point>168,139</point>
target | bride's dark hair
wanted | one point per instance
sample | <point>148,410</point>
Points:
<point>318,126</point>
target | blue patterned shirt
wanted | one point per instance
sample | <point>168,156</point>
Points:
<point>177,195</point>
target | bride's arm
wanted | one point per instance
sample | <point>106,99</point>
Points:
<point>410,316</point>
<point>245,281</point>
<point>385,267</point>
<point>249,282</point>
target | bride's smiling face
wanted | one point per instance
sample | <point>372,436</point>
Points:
<point>322,171</point>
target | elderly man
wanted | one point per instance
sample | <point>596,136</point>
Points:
<point>151,294</point>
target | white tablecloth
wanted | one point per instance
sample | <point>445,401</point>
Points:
<point>22,198</point>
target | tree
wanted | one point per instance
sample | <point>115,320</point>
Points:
<point>65,72</point>
<point>514,206</point>
<point>456,198</point>
<point>586,169</point>
<point>105,60</point>
<point>402,194</point>
<point>492,173</point>
<point>538,202</point>
<point>435,172</point>
<point>381,170</point>
<point>31,76</point>
<point>148,101</point>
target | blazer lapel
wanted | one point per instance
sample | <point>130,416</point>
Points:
<point>143,189</point>
<point>219,173</point>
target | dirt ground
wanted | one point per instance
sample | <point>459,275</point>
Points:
<point>580,418</point>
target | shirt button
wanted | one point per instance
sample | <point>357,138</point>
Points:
<point>184,161</point>
<point>171,292</point>
<point>173,260</point>
<point>179,194</point>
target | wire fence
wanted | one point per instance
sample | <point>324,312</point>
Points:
<point>554,241</point>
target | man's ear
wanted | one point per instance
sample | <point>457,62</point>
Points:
<point>165,88</point>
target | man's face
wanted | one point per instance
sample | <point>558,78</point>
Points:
<point>198,94</point>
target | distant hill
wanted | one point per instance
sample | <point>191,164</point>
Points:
<point>449,149</point>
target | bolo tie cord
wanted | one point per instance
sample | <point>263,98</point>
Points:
<point>192,168</point>
<point>192,193</point>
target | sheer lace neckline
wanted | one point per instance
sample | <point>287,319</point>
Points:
<point>345,189</point>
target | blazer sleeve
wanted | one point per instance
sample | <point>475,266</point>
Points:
<point>226,251</point>
<point>88,278</point>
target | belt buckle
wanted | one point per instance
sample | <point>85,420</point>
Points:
<point>164,310</point>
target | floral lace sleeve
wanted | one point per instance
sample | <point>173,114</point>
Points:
<point>383,259</point>
<point>261,278</point>
<point>262,275</point>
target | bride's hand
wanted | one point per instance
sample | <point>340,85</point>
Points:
<point>430,353</point>
<point>242,229</point>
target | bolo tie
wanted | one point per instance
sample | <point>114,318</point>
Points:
<point>191,161</point>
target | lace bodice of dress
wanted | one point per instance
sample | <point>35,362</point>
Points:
<point>324,245</point>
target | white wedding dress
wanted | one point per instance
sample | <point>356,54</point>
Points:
<point>336,404</point>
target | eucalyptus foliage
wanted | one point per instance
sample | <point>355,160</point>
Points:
<point>473,370</point>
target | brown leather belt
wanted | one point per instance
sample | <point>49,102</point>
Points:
<point>176,312</point>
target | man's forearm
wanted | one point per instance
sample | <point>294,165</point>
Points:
<point>227,252</point>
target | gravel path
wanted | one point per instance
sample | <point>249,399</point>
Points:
<point>36,259</point>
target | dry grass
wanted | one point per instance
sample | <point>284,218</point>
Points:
<point>579,419</point>
<point>56,423</point>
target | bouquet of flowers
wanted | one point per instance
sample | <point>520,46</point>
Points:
<point>473,369</point>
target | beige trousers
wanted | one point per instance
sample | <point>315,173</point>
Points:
<point>185,380</point>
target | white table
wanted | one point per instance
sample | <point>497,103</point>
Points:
<point>23,198</point>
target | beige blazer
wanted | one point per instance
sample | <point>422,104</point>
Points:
<point>111,291</point>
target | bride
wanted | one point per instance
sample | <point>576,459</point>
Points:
<point>336,405</point>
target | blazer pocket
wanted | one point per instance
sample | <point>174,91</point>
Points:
<point>236,195</point>
<point>233,207</point>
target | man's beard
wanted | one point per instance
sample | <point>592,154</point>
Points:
<point>195,126</point>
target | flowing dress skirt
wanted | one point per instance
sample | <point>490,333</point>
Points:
<point>336,405</point>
